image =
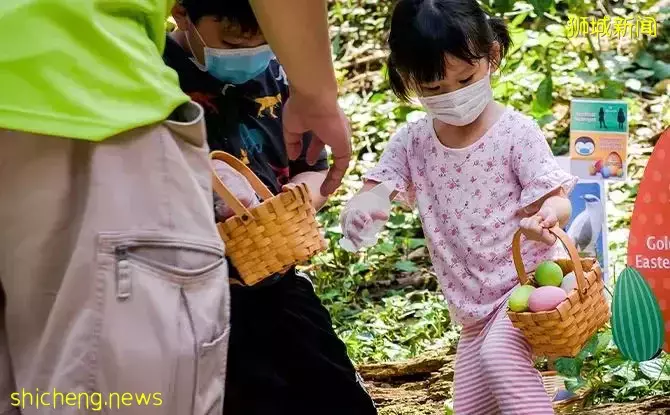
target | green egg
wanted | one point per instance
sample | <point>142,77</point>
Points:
<point>518,301</point>
<point>549,273</point>
<point>637,322</point>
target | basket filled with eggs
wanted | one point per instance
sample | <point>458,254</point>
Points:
<point>560,305</point>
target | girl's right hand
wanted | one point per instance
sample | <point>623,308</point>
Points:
<point>356,222</point>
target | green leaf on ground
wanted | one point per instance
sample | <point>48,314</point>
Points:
<point>656,369</point>
<point>544,93</point>
<point>645,59</point>
<point>541,6</point>
<point>589,349</point>
<point>612,90</point>
<point>416,243</point>
<point>406,266</point>
<point>661,70</point>
<point>575,384</point>
<point>569,367</point>
<point>625,371</point>
<point>644,73</point>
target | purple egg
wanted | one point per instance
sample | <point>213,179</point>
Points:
<point>546,298</point>
<point>563,395</point>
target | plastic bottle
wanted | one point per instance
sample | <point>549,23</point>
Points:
<point>376,199</point>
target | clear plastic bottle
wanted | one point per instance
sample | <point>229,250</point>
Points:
<point>376,199</point>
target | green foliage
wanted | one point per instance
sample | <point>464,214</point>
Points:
<point>607,376</point>
<point>396,327</point>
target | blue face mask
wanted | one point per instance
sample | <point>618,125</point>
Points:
<point>235,66</point>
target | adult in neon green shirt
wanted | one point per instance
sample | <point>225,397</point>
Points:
<point>111,271</point>
<point>84,69</point>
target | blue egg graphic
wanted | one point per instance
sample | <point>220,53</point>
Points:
<point>605,172</point>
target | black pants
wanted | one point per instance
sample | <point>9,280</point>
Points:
<point>284,357</point>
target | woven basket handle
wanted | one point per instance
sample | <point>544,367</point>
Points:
<point>572,251</point>
<point>228,196</point>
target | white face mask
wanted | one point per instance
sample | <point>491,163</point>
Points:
<point>462,106</point>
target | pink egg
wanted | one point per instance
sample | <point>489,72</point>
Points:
<point>546,298</point>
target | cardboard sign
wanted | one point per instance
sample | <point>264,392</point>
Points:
<point>637,324</point>
<point>598,139</point>
<point>588,224</point>
<point>649,240</point>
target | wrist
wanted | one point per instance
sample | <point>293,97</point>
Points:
<point>321,101</point>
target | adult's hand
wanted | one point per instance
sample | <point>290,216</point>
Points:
<point>329,126</point>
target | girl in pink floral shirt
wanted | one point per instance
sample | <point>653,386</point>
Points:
<point>477,172</point>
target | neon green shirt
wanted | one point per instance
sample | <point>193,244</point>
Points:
<point>86,69</point>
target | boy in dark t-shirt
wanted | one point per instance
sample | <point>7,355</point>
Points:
<point>284,356</point>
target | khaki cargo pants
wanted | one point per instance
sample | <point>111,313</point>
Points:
<point>114,278</point>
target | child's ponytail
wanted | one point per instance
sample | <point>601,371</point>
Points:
<point>501,35</point>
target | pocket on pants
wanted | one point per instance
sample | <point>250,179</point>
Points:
<point>186,125</point>
<point>210,384</point>
<point>163,317</point>
<point>188,122</point>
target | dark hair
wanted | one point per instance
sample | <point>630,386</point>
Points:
<point>423,32</point>
<point>235,11</point>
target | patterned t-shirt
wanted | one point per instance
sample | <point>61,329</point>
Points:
<point>469,201</point>
<point>244,120</point>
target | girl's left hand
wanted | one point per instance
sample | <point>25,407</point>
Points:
<point>536,227</point>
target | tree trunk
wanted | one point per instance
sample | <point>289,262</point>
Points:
<point>421,386</point>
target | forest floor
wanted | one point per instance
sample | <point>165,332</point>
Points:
<point>422,385</point>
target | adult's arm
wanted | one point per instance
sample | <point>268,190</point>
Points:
<point>297,31</point>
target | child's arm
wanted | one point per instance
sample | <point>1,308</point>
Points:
<point>543,201</point>
<point>393,167</point>
<point>313,180</point>
<point>553,209</point>
<point>370,184</point>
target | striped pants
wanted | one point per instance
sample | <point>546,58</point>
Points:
<point>495,373</point>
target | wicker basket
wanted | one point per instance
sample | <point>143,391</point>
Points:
<point>553,383</point>
<point>564,331</point>
<point>269,238</point>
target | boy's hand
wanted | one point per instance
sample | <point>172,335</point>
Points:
<point>288,186</point>
<point>239,187</point>
<point>536,227</point>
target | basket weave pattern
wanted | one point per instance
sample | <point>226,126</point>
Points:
<point>272,237</point>
<point>552,384</point>
<point>564,331</point>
